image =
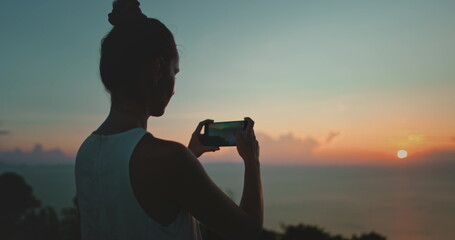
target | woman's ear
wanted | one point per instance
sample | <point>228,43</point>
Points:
<point>153,71</point>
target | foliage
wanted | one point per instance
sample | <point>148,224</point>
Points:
<point>305,232</point>
<point>16,200</point>
<point>268,235</point>
<point>23,218</point>
<point>369,236</point>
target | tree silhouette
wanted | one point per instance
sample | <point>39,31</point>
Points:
<point>268,235</point>
<point>40,225</point>
<point>304,232</point>
<point>369,236</point>
<point>16,200</point>
<point>22,219</point>
<point>70,227</point>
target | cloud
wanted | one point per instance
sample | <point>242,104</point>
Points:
<point>452,138</point>
<point>37,156</point>
<point>331,136</point>
<point>286,149</point>
<point>4,132</point>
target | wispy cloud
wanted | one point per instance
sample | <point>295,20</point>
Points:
<point>331,136</point>
<point>4,132</point>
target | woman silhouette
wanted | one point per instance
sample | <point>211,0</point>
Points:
<point>132,185</point>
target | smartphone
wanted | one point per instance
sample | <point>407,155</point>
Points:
<point>222,133</point>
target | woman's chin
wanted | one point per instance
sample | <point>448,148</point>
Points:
<point>157,113</point>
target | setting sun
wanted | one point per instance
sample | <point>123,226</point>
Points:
<point>402,153</point>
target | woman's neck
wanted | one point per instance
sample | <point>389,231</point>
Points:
<point>124,117</point>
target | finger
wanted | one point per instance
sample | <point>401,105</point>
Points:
<point>238,136</point>
<point>212,149</point>
<point>200,138</point>
<point>249,125</point>
<point>201,124</point>
<point>258,148</point>
<point>209,149</point>
<point>253,135</point>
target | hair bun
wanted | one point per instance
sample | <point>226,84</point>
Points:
<point>126,12</point>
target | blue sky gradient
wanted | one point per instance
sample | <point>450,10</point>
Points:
<point>377,71</point>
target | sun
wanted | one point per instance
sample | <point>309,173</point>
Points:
<point>402,154</point>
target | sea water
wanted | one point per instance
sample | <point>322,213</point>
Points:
<point>401,203</point>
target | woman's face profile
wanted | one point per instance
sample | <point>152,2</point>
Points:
<point>164,90</point>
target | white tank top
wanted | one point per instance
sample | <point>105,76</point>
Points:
<point>108,207</point>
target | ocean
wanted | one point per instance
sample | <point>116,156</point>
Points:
<point>401,203</point>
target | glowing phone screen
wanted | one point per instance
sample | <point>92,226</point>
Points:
<point>222,133</point>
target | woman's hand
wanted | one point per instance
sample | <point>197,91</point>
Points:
<point>247,145</point>
<point>196,145</point>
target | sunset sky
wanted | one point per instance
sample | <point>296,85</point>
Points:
<point>327,82</point>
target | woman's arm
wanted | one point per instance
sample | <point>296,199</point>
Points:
<point>195,191</point>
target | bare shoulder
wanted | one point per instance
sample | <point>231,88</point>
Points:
<point>174,162</point>
<point>165,163</point>
<point>157,164</point>
<point>162,151</point>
